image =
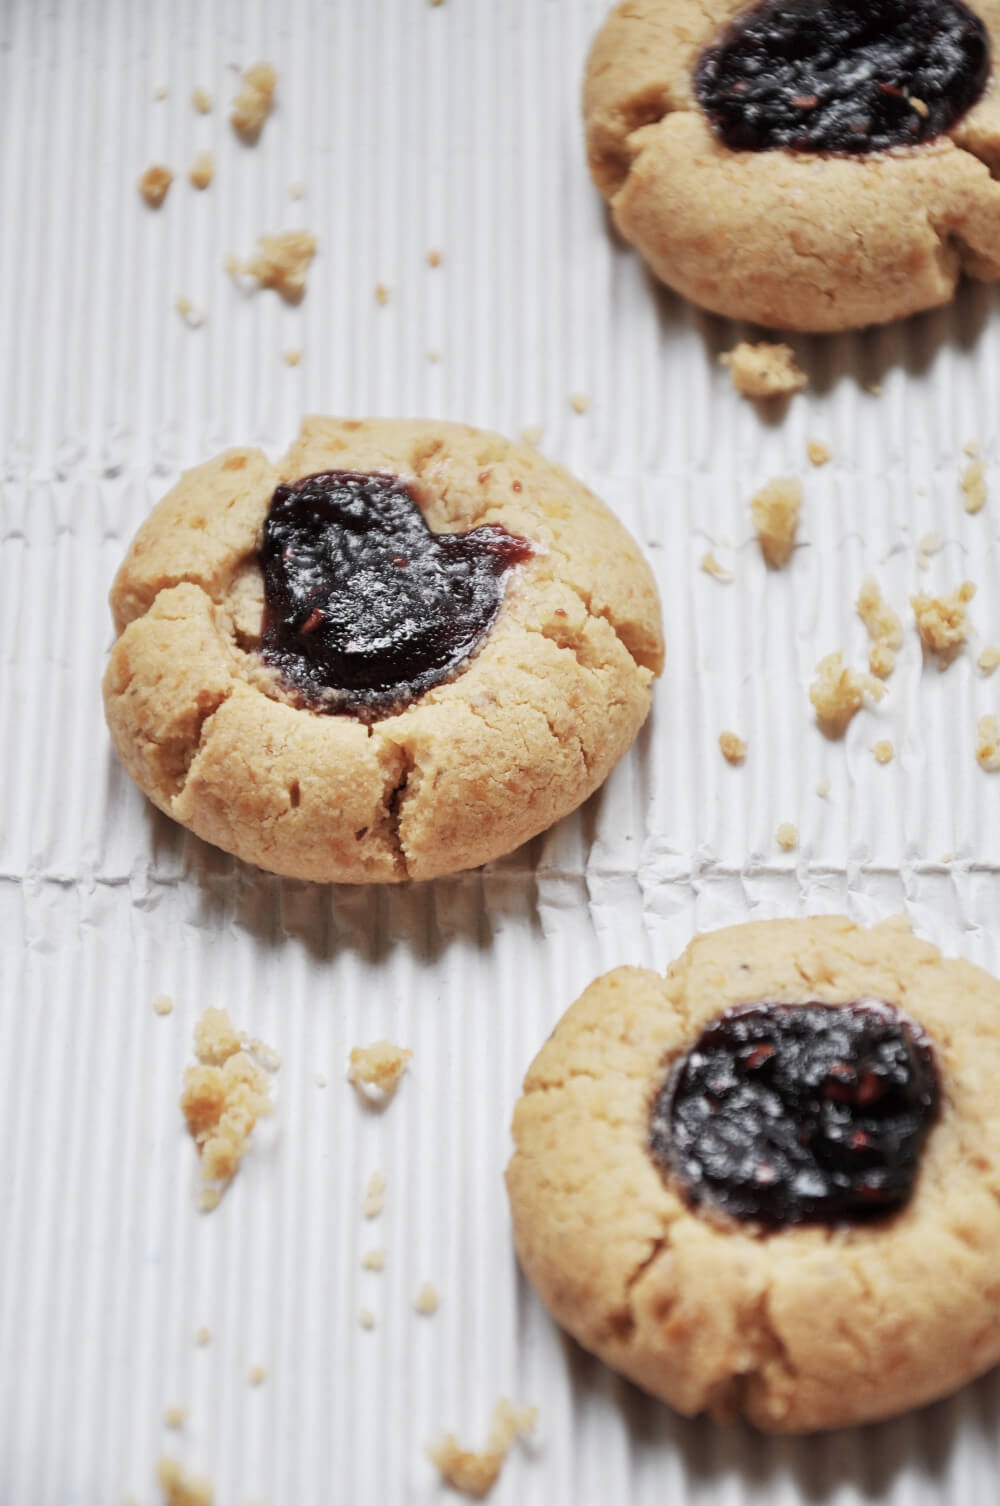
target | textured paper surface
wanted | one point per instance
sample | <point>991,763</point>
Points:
<point>414,127</point>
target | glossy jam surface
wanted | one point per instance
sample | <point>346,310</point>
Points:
<point>799,1113</point>
<point>842,76</point>
<point>364,607</point>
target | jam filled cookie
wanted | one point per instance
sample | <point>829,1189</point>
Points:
<point>803,164</point>
<point>402,652</point>
<point>769,1184</point>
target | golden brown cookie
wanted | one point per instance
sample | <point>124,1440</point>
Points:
<point>492,754</point>
<point>792,239</point>
<point>797,1326</point>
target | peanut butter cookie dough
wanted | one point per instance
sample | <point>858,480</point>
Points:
<point>768,1184</point>
<point>400,768</point>
<point>800,197</point>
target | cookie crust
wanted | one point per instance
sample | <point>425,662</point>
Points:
<point>787,240</point>
<point>799,1330</point>
<point>470,770</point>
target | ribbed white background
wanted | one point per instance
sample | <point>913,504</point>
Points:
<point>413,127</point>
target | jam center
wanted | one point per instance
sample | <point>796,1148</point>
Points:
<point>364,607</point>
<point>799,1113</point>
<point>843,76</point>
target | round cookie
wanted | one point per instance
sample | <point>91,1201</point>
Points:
<point>469,769</point>
<point>797,1328</point>
<point>790,239</point>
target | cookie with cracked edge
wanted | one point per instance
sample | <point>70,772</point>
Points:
<point>799,1328</point>
<point>799,240</point>
<point>469,769</point>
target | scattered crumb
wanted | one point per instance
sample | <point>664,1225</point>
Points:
<point>427,1301</point>
<point>373,1260</point>
<point>883,750</point>
<point>764,370</point>
<point>436,2</point>
<point>203,1336</point>
<point>579,402</point>
<point>922,109</point>
<point>202,100</point>
<point>366,1318</point>
<point>775,510</point>
<point>154,185</point>
<point>823,788</point>
<point>711,566</point>
<point>175,1417</point>
<point>377,1070</point>
<point>375,1196</point>
<point>255,101</point>
<point>382,294</point>
<point>476,1474</point>
<point>974,487</point>
<point>293,357</point>
<point>988,744</point>
<point>884,628</point>
<point>163,1004</point>
<point>838,693</point>
<point>434,357</point>
<point>202,170</point>
<point>320,1080</point>
<point>929,544</point>
<point>787,836</point>
<point>819,453</point>
<point>264,1055</point>
<point>256,1375</point>
<point>193,317</point>
<point>988,661</point>
<point>875,388</point>
<point>734,749</point>
<point>281,262</point>
<point>160,92</point>
<point>943,623</point>
<point>532,433</point>
<point>179,1488</point>
<point>435,258</point>
<point>296,190</point>
<point>223,1097</point>
<point>971,448</point>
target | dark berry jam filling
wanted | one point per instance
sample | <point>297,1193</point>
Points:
<point>364,607</point>
<point>799,1113</point>
<point>844,76</point>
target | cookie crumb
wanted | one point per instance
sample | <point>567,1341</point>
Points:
<point>579,402</point>
<point>427,1300</point>
<point>163,1004</point>
<point>435,258</point>
<point>988,744</point>
<point>971,448</point>
<point>321,1079</point>
<point>733,748</point>
<point>974,487</point>
<point>175,1417</point>
<point>366,1318</point>
<point>223,1097</point>
<point>264,1055</point>
<point>823,788</point>
<point>787,836</point>
<point>885,629</point>
<point>281,262</point>
<point>922,109</point>
<point>775,510</point>
<point>929,544</point>
<point>179,1488</point>
<point>377,1070</point>
<point>875,388</point>
<point>193,317</point>
<point>257,1375</point>
<point>476,1474</point>
<point>202,100</point>
<point>160,92</point>
<point>434,357</point>
<point>297,190</point>
<point>154,185</point>
<point>373,1260</point>
<point>375,1196</point>
<point>254,103</point>
<point>943,623</point>
<point>203,1337</point>
<point>532,433</point>
<point>293,357</point>
<point>382,294</point>
<point>883,750</point>
<point>763,370</point>
<point>988,660</point>
<point>202,170</point>
<point>838,693</point>
<point>819,453</point>
<point>711,566</point>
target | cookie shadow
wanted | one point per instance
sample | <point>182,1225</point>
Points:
<point>912,1452</point>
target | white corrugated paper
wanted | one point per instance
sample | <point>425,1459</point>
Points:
<point>414,127</point>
